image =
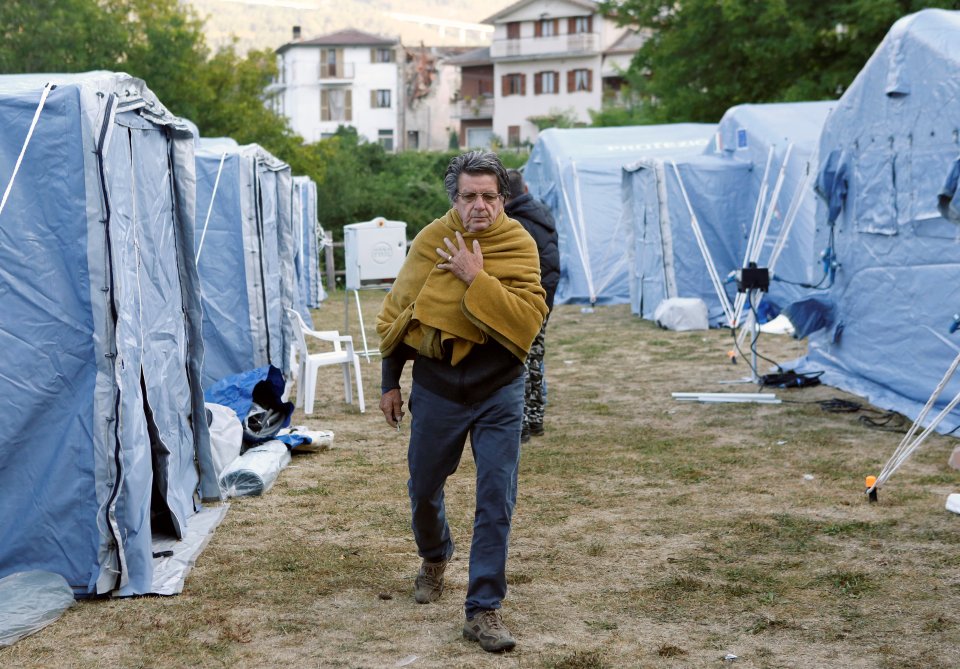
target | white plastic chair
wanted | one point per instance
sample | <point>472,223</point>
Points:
<point>310,363</point>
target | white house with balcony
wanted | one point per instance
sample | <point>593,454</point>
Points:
<point>348,78</point>
<point>550,58</point>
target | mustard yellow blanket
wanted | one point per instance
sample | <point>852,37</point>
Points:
<point>429,308</point>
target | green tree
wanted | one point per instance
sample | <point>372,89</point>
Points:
<point>704,56</point>
<point>59,35</point>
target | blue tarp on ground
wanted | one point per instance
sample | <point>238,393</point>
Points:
<point>245,262</point>
<point>729,187</point>
<point>887,151</point>
<point>106,438</point>
<point>576,172</point>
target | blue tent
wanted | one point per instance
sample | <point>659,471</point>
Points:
<point>577,173</point>
<point>245,257</point>
<point>755,175</point>
<point>309,238</point>
<point>886,154</point>
<point>665,257</point>
<point>107,445</point>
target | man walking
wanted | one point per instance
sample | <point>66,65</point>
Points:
<point>536,218</point>
<point>465,307</point>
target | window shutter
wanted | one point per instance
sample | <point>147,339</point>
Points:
<point>556,27</point>
<point>348,106</point>
<point>373,99</point>
<point>571,25</point>
<point>373,55</point>
<point>589,24</point>
<point>571,80</point>
<point>523,84</point>
<point>556,82</point>
<point>589,80</point>
<point>505,85</point>
<point>538,83</point>
<point>324,105</point>
<point>537,29</point>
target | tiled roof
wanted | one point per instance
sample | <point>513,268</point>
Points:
<point>588,5</point>
<point>479,56</point>
<point>348,37</point>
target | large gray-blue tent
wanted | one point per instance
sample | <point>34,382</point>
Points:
<point>886,153</point>
<point>308,243</point>
<point>754,177</point>
<point>577,173</point>
<point>106,445</point>
<point>245,257</point>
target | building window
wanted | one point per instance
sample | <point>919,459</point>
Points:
<point>545,28</point>
<point>380,98</point>
<point>579,24</point>
<point>579,80</point>
<point>382,55</point>
<point>546,83</point>
<point>514,84</point>
<point>331,63</point>
<point>479,138</point>
<point>513,30</point>
<point>413,139</point>
<point>513,135</point>
<point>385,137</point>
<point>336,104</point>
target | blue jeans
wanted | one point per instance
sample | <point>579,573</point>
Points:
<point>438,433</point>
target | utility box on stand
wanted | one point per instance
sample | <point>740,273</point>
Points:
<point>373,252</point>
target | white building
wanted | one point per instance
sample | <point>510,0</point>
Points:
<point>346,78</point>
<point>552,57</point>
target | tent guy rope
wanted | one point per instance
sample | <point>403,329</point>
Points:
<point>579,231</point>
<point>26,142</point>
<point>704,250</point>
<point>213,197</point>
<point>908,444</point>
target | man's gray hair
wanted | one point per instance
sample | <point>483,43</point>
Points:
<point>475,163</point>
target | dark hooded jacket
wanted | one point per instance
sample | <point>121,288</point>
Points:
<point>538,221</point>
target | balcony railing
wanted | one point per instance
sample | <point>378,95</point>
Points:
<point>539,46</point>
<point>475,108</point>
<point>336,71</point>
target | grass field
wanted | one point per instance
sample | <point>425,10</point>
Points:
<point>648,533</point>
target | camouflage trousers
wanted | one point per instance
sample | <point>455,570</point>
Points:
<point>535,391</point>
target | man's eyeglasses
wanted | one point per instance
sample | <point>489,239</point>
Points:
<point>470,198</point>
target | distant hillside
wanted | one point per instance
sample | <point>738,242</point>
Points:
<point>268,23</point>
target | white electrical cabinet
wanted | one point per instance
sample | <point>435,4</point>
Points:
<point>373,251</point>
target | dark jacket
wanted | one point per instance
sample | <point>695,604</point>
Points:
<point>535,216</point>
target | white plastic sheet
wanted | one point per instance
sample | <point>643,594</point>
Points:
<point>29,601</point>
<point>226,438</point>
<point>254,472</point>
<point>682,314</point>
